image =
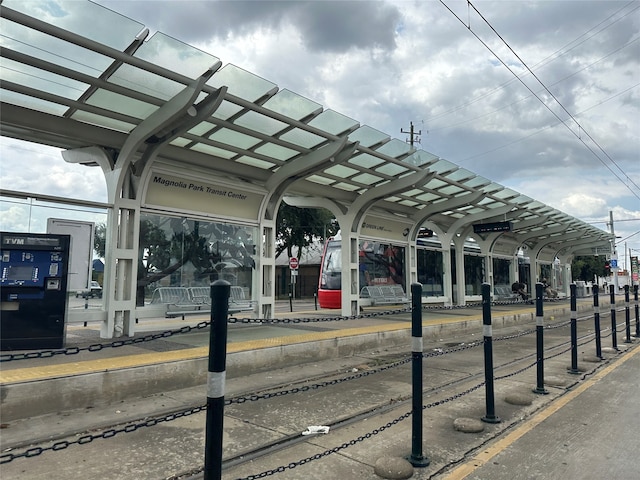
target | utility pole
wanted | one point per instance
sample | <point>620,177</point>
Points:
<point>614,254</point>
<point>413,136</point>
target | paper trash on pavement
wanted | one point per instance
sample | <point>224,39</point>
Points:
<point>313,429</point>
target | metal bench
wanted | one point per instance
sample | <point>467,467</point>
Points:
<point>503,293</point>
<point>384,295</point>
<point>181,301</point>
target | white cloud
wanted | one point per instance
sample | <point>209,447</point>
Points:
<point>417,63</point>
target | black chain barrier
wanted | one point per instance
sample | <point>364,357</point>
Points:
<point>361,438</point>
<point>97,347</point>
<point>88,438</point>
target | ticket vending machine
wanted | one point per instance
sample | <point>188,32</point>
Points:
<point>33,290</point>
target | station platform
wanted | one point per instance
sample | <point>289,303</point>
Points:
<point>44,399</point>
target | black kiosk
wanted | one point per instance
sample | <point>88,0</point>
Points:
<point>33,290</point>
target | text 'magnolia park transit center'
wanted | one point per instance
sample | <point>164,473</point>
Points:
<point>199,155</point>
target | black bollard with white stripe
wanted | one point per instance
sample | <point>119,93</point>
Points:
<point>539,341</point>
<point>220,291</point>
<point>635,299</point>
<point>487,333</point>
<point>596,319</point>
<point>417,459</point>
<point>614,333</point>
<point>627,315</point>
<point>574,330</point>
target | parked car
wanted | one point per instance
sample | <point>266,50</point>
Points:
<point>95,290</point>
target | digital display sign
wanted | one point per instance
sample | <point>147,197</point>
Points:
<point>492,227</point>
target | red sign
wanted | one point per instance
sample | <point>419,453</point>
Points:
<point>293,263</point>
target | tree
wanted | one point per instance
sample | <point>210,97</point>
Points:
<point>587,267</point>
<point>168,243</point>
<point>299,227</point>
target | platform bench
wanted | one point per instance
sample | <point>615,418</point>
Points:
<point>384,295</point>
<point>181,301</point>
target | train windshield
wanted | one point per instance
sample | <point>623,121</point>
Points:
<point>332,266</point>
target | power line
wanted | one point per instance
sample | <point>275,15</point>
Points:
<point>557,101</point>
<point>555,55</point>
<point>541,101</point>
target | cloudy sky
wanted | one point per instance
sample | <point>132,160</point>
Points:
<point>565,131</point>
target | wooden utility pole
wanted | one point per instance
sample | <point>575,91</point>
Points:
<point>413,136</point>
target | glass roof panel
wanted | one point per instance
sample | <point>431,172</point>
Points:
<point>412,193</point>
<point>476,182</point>
<point>255,162</point>
<point>32,103</point>
<point>366,160</point>
<point>450,190</point>
<point>435,183</point>
<point>211,150</point>
<point>260,123</point>
<point>121,104</point>
<point>201,129</point>
<point>174,55</point>
<point>241,83</point>
<point>368,136</point>
<point>492,188</point>
<point>169,53</point>
<point>102,121</point>
<point>474,210</point>
<point>443,166</point>
<point>303,138</point>
<point>460,175</point>
<point>394,148</point>
<point>145,82</point>
<point>490,201</point>
<point>113,29</point>
<point>290,104</point>
<point>392,169</point>
<point>237,139</point>
<point>180,142</point>
<point>341,171</point>
<point>320,180</point>
<point>41,80</point>
<point>420,157</point>
<point>333,122</point>
<point>367,179</point>
<point>276,152</point>
<point>428,197</point>
<point>346,186</point>
<point>506,193</point>
<point>408,203</point>
<point>226,110</point>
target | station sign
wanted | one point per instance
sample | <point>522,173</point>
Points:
<point>492,227</point>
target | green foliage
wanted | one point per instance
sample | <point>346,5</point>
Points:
<point>299,227</point>
<point>587,267</point>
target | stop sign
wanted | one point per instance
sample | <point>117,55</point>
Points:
<point>293,263</point>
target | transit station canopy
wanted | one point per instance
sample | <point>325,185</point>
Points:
<point>82,75</point>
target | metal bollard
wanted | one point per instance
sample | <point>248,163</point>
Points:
<point>635,299</point>
<point>614,333</point>
<point>220,291</point>
<point>596,319</point>
<point>539,341</point>
<point>627,315</point>
<point>417,459</point>
<point>487,333</point>
<point>574,331</point>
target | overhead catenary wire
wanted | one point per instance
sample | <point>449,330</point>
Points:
<point>580,128</point>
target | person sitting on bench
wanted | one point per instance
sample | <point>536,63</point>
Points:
<point>521,289</point>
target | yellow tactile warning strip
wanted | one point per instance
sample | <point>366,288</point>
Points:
<point>135,360</point>
<point>466,469</point>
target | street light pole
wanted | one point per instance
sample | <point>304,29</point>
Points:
<point>614,254</point>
